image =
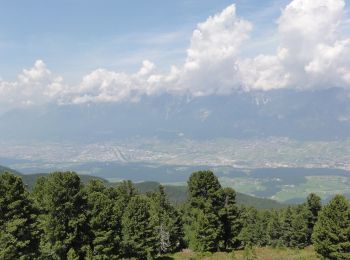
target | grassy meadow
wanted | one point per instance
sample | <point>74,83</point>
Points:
<point>257,253</point>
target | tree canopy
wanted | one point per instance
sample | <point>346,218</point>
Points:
<point>62,218</point>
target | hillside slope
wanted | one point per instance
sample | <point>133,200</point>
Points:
<point>178,194</point>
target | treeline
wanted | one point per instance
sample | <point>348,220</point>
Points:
<point>64,219</point>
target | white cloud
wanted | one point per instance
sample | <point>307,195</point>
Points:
<point>330,63</point>
<point>36,85</point>
<point>215,44</point>
<point>209,67</point>
<point>312,53</point>
<point>264,72</point>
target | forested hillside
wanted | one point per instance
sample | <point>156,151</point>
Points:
<point>62,218</point>
<point>179,194</point>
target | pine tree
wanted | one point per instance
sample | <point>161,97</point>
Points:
<point>203,224</point>
<point>204,186</point>
<point>205,230</point>
<point>274,230</point>
<point>249,232</point>
<point>18,236</point>
<point>124,192</point>
<point>313,205</point>
<point>64,221</point>
<point>287,227</point>
<point>331,235</point>
<point>168,222</point>
<point>104,222</point>
<point>138,229</point>
<point>230,218</point>
<point>261,227</point>
<point>299,237</point>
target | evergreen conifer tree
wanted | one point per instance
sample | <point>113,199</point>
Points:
<point>203,224</point>
<point>331,236</point>
<point>313,205</point>
<point>104,222</point>
<point>64,221</point>
<point>168,222</point>
<point>274,230</point>
<point>299,237</point>
<point>206,230</point>
<point>139,229</point>
<point>18,228</point>
<point>231,221</point>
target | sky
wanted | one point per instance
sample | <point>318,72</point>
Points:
<point>78,51</point>
<point>76,36</point>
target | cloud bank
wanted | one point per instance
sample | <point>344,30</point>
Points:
<point>312,53</point>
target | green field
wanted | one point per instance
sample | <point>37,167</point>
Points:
<point>324,186</point>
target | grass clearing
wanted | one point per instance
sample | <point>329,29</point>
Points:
<point>264,253</point>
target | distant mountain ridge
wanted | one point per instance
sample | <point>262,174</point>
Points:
<point>315,114</point>
<point>6,169</point>
<point>178,194</point>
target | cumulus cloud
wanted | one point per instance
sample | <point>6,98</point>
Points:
<point>215,45</point>
<point>311,53</point>
<point>108,86</point>
<point>209,67</point>
<point>36,85</point>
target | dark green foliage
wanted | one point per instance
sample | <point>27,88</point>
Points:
<point>313,205</point>
<point>204,186</point>
<point>254,231</point>
<point>124,193</point>
<point>176,194</point>
<point>212,218</point>
<point>31,179</point>
<point>294,227</point>
<point>287,227</point>
<point>331,235</point>
<point>275,230</point>
<point>204,227</point>
<point>205,231</point>
<point>139,229</point>
<point>103,221</point>
<point>168,222</point>
<point>299,237</point>
<point>263,220</point>
<point>72,255</point>
<point>231,221</point>
<point>18,231</point>
<point>64,220</point>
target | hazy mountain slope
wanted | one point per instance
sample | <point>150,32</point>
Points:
<point>6,169</point>
<point>322,114</point>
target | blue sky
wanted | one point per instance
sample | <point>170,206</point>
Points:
<point>76,36</point>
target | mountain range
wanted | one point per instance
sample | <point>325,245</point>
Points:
<point>304,115</point>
